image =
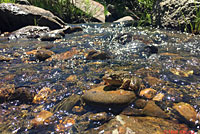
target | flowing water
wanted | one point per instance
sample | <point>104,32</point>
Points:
<point>177,62</point>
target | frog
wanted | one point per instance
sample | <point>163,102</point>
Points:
<point>122,79</point>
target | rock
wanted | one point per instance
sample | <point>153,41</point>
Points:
<point>59,33</point>
<point>41,117</point>
<point>149,50</point>
<point>123,124</point>
<point>140,103</point>
<point>22,2</point>
<point>99,96</point>
<point>5,91</point>
<point>126,18</point>
<point>91,7</point>
<point>98,116</point>
<point>29,32</point>
<point>153,81</point>
<point>42,95</point>
<point>148,93</point>
<point>187,112</point>
<point>9,92</point>
<point>151,109</point>
<point>158,97</point>
<point>51,36</point>
<point>66,124</point>
<point>174,13</point>
<point>132,111</point>
<point>97,55</point>
<point>43,54</point>
<point>15,16</point>
<point>66,104</point>
<point>4,58</point>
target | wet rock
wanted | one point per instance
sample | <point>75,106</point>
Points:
<point>103,96</point>
<point>140,103</point>
<point>29,32</point>
<point>181,72</point>
<point>174,14</point>
<point>124,38</point>
<point>42,95</point>
<point>66,124</point>
<point>148,93</point>
<point>187,112</point>
<point>98,116</point>
<point>51,36</point>
<point>153,81</point>
<point>64,56</point>
<point>5,91</point>
<point>147,51</point>
<point>97,55</point>
<point>123,124</point>
<point>72,78</point>
<point>5,58</point>
<point>151,109</point>
<point>41,117</point>
<point>9,92</point>
<point>132,111</point>
<point>158,97</point>
<point>13,16</point>
<point>66,104</point>
<point>43,54</point>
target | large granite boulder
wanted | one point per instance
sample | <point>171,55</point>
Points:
<point>16,16</point>
<point>174,13</point>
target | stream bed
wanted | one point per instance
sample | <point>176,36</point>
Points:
<point>44,95</point>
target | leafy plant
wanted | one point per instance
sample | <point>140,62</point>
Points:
<point>7,1</point>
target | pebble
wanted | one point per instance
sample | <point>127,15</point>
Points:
<point>148,93</point>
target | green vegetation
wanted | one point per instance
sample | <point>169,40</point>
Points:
<point>140,10</point>
<point>7,1</point>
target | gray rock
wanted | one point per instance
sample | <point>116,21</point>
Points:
<point>29,32</point>
<point>174,13</point>
<point>16,16</point>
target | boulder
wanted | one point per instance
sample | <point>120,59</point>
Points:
<point>15,16</point>
<point>29,32</point>
<point>174,13</point>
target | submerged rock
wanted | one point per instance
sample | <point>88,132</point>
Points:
<point>151,109</point>
<point>103,96</point>
<point>122,124</point>
<point>40,118</point>
<point>15,16</point>
<point>187,112</point>
<point>43,54</point>
<point>97,55</point>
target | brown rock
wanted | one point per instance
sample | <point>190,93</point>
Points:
<point>140,103</point>
<point>186,111</point>
<point>5,58</point>
<point>123,124</point>
<point>42,95</point>
<point>103,96</point>
<point>158,97</point>
<point>153,81</point>
<point>148,93</point>
<point>151,109</point>
<point>97,55</point>
<point>98,116</point>
<point>43,54</point>
<point>41,117</point>
<point>6,90</point>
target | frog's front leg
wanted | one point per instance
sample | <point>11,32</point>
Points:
<point>125,84</point>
